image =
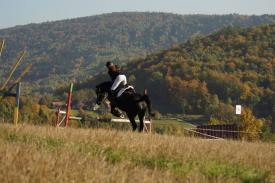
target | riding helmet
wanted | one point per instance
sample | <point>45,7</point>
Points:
<point>109,64</point>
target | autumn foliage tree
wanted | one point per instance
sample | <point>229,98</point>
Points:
<point>250,125</point>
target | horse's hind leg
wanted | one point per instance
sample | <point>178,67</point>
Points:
<point>133,122</point>
<point>141,120</point>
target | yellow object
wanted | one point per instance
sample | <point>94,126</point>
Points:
<point>15,116</point>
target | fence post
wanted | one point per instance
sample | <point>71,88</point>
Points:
<point>68,109</point>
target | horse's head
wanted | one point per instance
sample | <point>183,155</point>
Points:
<point>102,92</point>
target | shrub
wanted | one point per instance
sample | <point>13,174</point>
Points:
<point>157,115</point>
<point>250,125</point>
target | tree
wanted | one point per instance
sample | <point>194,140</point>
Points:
<point>157,115</point>
<point>222,113</point>
<point>45,100</point>
<point>132,78</point>
<point>250,125</point>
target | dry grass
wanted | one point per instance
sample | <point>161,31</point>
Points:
<point>47,154</point>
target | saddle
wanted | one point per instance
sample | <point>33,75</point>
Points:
<point>124,89</point>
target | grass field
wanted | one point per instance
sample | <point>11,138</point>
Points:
<point>48,154</point>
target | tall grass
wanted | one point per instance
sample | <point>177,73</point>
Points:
<point>47,154</point>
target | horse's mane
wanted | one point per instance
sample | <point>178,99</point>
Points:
<point>104,85</point>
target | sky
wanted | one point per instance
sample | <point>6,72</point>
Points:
<point>21,12</point>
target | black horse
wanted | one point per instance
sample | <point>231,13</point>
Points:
<point>130,102</point>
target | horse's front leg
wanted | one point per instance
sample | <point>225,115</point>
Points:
<point>133,122</point>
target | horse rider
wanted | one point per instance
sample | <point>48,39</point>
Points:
<point>119,81</point>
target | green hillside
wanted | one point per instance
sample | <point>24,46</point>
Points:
<point>73,49</point>
<point>210,75</point>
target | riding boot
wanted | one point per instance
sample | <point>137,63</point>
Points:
<point>114,110</point>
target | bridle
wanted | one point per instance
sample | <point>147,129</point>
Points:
<point>101,96</point>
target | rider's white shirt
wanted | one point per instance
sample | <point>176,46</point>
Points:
<point>119,79</point>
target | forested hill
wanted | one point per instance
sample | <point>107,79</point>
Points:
<point>67,49</point>
<point>209,75</point>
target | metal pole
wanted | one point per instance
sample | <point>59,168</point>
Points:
<point>68,110</point>
<point>16,108</point>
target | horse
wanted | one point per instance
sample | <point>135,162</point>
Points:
<point>132,103</point>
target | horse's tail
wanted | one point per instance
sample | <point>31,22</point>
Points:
<point>148,102</point>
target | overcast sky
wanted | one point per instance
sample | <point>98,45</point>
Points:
<point>20,12</point>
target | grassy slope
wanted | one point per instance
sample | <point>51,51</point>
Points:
<point>46,154</point>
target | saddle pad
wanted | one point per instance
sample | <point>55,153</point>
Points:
<point>121,91</point>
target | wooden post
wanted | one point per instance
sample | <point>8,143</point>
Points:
<point>16,108</point>
<point>68,110</point>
